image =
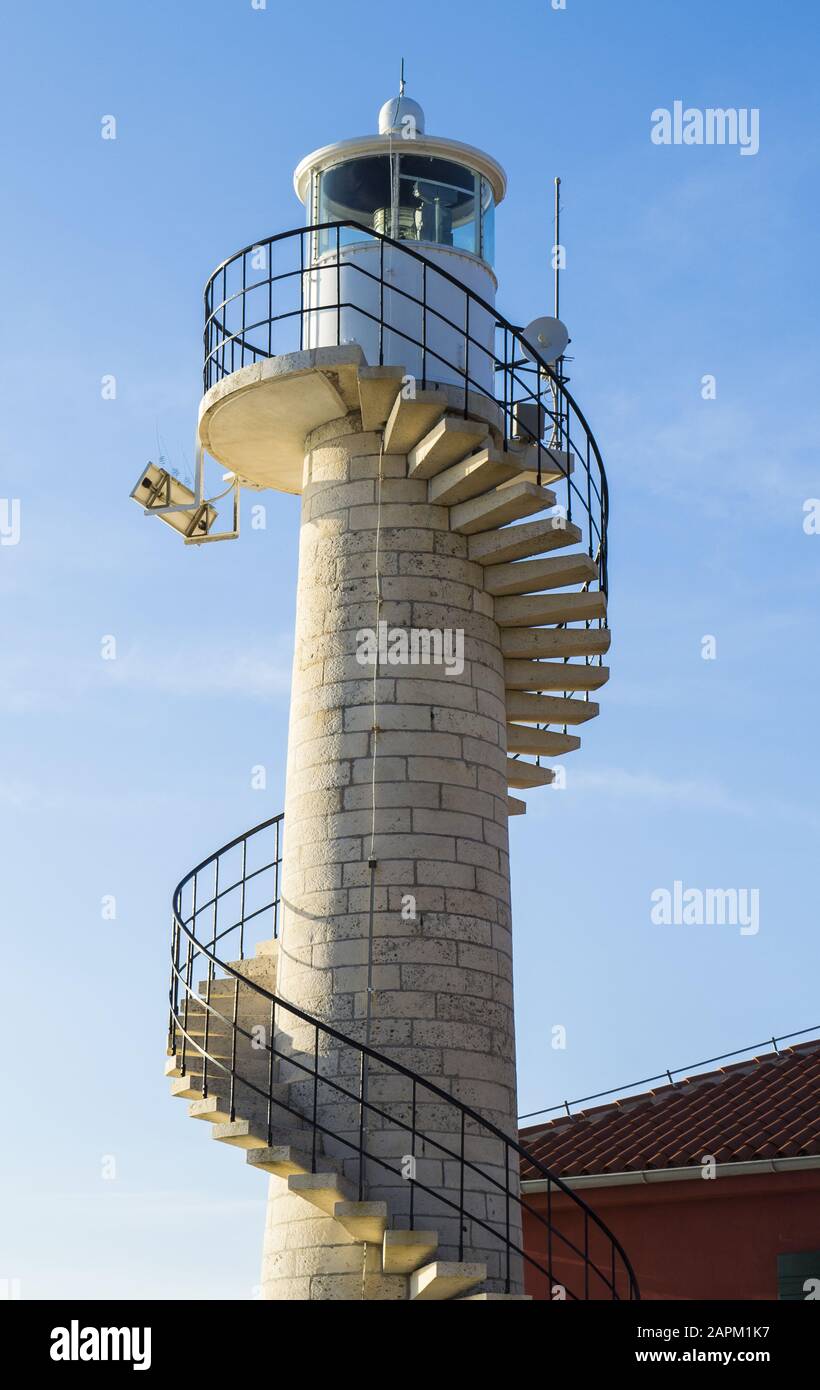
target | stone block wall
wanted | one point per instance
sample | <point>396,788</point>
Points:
<point>408,769</point>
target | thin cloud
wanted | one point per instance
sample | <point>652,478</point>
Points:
<point>689,794</point>
<point>205,673</point>
<point>52,680</point>
<point>715,457</point>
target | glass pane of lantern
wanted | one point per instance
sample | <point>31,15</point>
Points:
<point>487,222</point>
<point>438,202</point>
<point>355,191</point>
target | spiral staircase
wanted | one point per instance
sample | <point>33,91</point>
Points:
<point>520,476</point>
<point>547,604</point>
<point>515,465</point>
<point>229,1058</point>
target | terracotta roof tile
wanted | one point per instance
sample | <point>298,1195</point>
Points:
<point>765,1107</point>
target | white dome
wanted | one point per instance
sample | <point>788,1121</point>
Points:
<point>396,111</point>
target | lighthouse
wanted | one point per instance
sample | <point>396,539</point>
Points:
<point>341,1000</point>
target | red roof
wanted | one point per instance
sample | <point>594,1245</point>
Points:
<point>766,1107</point>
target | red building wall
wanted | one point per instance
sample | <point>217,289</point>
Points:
<point>699,1239</point>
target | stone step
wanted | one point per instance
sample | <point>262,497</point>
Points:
<point>188,1087</point>
<point>220,1022</point>
<point>450,440</point>
<point>528,642</point>
<point>554,465</point>
<point>535,610</point>
<point>516,807</point>
<point>548,709</point>
<point>214,1108</point>
<point>221,991</point>
<point>532,576</point>
<point>258,970</point>
<point>445,1279</point>
<point>522,774</point>
<point>250,1065</point>
<point>499,507</point>
<point>252,1068</point>
<point>173,1065</point>
<point>405,1251</point>
<point>282,1160</point>
<point>365,1221</point>
<point>219,1070</point>
<point>543,742</point>
<point>252,1134</point>
<point>491,547</point>
<point>412,418</point>
<point>378,389</point>
<point>324,1189</point>
<point>471,477</point>
<point>219,1013</point>
<point>553,675</point>
<point>194,1061</point>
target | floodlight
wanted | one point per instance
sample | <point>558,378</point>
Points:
<point>164,496</point>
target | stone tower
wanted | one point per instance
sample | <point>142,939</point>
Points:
<point>450,623</point>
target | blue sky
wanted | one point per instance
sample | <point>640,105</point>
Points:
<point>119,775</point>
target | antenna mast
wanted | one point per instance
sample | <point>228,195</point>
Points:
<point>557,255</point>
<point>557,249</point>
<point>401,80</point>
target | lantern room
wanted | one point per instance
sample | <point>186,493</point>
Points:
<point>436,198</point>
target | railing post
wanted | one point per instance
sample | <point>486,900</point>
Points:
<point>381,305</point>
<point>362,1104</point>
<point>413,1156</point>
<point>467,359</point>
<point>188,970</point>
<point>507,1279</point>
<point>507,392</point>
<point>244,290</point>
<point>563,445</point>
<point>173,993</point>
<point>189,967</point>
<point>277,859</point>
<point>207,1030</point>
<point>338,285</point>
<point>301,289</point>
<point>271,1069</point>
<point>461,1194</point>
<point>242,899</point>
<point>224,311</point>
<point>315,1095</point>
<point>233,1048</point>
<point>589,502</point>
<point>424,326</point>
<point>206,337</point>
<point>538,409</point>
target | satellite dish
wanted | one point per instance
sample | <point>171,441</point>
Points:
<point>547,337</point>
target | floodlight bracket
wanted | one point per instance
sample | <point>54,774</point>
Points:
<point>233,534</point>
<point>199,507</point>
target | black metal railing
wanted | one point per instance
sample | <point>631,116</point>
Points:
<point>222,909</point>
<point>283,294</point>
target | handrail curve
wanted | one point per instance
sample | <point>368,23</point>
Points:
<point>617,1278</point>
<point>239,330</point>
